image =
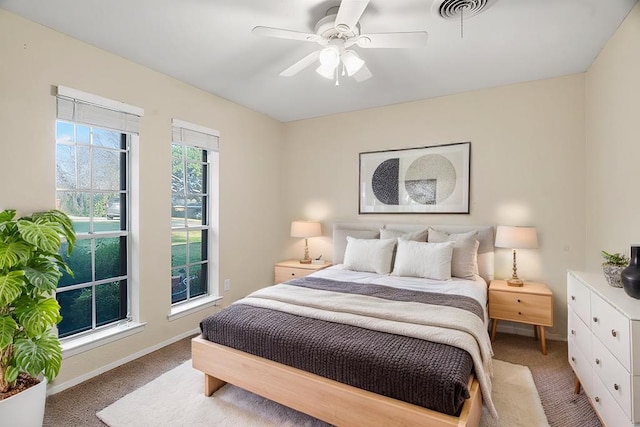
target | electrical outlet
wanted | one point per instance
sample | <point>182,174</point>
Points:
<point>227,284</point>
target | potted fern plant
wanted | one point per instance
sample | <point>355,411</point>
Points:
<point>612,267</point>
<point>30,268</point>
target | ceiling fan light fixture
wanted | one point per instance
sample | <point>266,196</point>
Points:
<point>329,57</point>
<point>326,71</point>
<point>352,62</point>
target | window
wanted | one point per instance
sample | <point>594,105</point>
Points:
<point>92,187</point>
<point>193,210</point>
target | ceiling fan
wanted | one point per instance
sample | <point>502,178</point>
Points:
<point>337,33</point>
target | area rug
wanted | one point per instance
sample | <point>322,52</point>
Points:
<point>176,399</point>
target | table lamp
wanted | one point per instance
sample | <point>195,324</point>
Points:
<point>305,229</point>
<point>516,238</point>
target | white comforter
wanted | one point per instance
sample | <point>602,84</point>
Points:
<point>476,289</point>
<point>446,325</point>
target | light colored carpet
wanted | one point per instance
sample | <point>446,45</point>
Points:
<point>176,399</point>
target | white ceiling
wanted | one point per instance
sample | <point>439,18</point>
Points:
<point>209,44</point>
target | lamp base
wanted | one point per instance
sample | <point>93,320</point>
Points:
<point>305,261</point>
<point>515,282</point>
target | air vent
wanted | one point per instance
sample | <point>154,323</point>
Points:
<point>456,9</point>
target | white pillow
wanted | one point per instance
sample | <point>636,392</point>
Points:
<point>428,260</point>
<point>372,255</point>
<point>464,263</point>
<point>418,236</point>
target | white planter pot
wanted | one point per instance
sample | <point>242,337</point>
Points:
<point>25,409</point>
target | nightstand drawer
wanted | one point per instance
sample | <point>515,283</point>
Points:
<point>293,269</point>
<point>525,308</point>
<point>287,273</point>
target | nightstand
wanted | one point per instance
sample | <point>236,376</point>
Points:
<point>291,269</point>
<point>531,303</point>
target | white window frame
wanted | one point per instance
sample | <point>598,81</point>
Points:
<point>189,134</point>
<point>83,108</point>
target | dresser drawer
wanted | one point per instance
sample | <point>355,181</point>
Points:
<point>613,375</point>
<point>579,298</point>
<point>612,328</point>
<point>580,334</point>
<point>607,407</point>
<point>524,308</point>
<point>581,366</point>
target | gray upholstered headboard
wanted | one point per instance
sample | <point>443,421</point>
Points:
<point>369,230</point>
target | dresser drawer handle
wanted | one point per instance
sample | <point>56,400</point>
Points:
<point>616,386</point>
<point>573,298</point>
<point>519,300</point>
<point>595,319</point>
<point>293,274</point>
<point>573,332</point>
<point>597,361</point>
<point>614,333</point>
<point>597,399</point>
<point>573,359</point>
<point>520,313</point>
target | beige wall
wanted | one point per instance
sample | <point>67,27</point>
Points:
<point>613,145</point>
<point>527,168</point>
<point>528,165</point>
<point>34,59</point>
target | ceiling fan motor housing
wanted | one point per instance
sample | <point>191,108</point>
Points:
<point>326,28</point>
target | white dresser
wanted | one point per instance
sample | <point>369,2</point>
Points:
<point>604,346</point>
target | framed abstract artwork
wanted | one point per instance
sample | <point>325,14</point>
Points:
<point>416,180</point>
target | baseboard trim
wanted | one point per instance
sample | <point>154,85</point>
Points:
<point>57,388</point>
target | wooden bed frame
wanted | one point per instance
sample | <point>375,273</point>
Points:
<point>333,402</point>
<point>330,401</point>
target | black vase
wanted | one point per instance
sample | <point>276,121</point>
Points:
<point>631,275</point>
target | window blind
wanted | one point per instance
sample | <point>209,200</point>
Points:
<point>80,107</point>
<point>199,136</point>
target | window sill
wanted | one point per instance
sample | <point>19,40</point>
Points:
<point>190,307</point>
<point>76,345</point>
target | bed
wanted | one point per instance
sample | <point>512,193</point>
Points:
<point>346,344</point>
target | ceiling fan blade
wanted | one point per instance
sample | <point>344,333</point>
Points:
<point>363,74</point>
<point>301,65</point>
<point>349,14</point>
<point>393,40</point>
<point>279,33</point>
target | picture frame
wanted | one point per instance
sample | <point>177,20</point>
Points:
<point>424,180</point>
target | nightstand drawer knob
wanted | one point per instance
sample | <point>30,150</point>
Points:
<point>293,274</point>
<point>597,361</point>
<point>573,359</point>
<point>573,298</point>
<point>597,399</point>
<point>614,333</point>
<point>520,313</point>
<point>573,332</point>
<point>595,319</point>
<point>519,300</point>
<point>616,386</point>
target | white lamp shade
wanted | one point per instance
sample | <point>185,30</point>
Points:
<point>305,229</point>
<point>352,62</point>
<point>326,71</point>
<point>516,237</point>
<point>329,57</point>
